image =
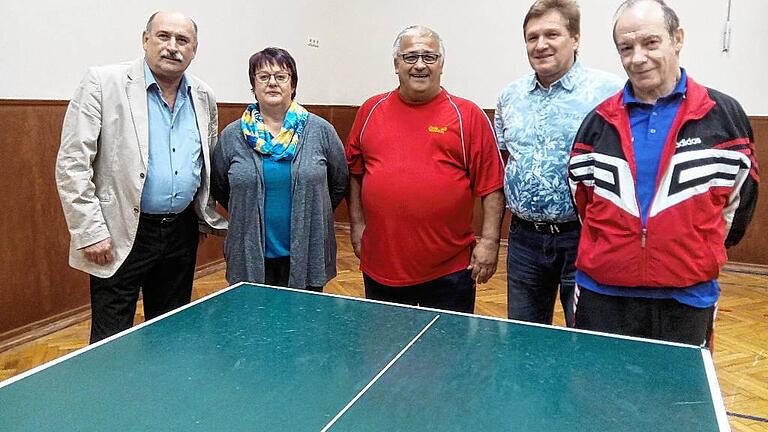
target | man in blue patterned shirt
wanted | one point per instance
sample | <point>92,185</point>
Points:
<point>537,117</point>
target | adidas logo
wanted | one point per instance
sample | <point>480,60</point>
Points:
<point>685,142</point>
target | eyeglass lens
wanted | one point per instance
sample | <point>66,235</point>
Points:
<point>280,77</point>
<point>427,58</point>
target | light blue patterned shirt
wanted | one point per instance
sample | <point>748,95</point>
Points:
<point>537,127</point>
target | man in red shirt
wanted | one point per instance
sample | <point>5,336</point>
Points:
<point>418,156</point>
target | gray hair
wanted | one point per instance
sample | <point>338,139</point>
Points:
<point>671,21</point>
<point>417,31</point>
<point>152,18</point>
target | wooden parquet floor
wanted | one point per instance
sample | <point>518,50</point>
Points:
<point>741,336</point>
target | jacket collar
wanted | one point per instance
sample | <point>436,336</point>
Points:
<point>679,90</point>
<point>696,103</point>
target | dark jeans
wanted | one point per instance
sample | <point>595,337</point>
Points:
<point>662,319</point>
<point>161,265</point>
<point>537,264</point>
<point>453,292</point>
<point>277,272</point>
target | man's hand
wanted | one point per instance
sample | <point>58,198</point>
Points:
<point>356,236</point>
<point>485,256</point>
<point>100,253</point>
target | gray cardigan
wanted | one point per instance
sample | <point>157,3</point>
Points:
<point>319,177</point>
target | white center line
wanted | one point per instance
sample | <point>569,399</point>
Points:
<point>376,378</point>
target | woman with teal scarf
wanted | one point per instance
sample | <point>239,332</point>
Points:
<point>280,172</point>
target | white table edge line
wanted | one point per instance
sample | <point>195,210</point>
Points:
<point>482,317</point>
<point>714,388</point>
<point>87,348</point>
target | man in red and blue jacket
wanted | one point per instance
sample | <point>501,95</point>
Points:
<point>664,179</point>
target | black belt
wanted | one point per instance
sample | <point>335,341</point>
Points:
<point>162,218</point>
<point>546,227</point>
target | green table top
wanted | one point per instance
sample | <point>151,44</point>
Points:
<point>258,358</point>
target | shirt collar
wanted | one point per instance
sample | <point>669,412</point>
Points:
<point>679,90</point>
<point>567,81</point>
<point>150,80</point>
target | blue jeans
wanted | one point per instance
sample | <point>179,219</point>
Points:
<point>537,263</point>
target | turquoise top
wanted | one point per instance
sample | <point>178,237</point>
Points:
<point>277,207</point>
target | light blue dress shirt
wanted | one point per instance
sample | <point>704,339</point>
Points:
<point>537,127</point>
<point>175,150</point>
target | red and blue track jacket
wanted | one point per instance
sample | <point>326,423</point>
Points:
<point>706,191</point>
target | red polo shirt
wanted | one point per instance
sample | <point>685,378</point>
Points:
<point>422,166</point>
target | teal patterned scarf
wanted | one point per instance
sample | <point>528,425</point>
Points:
<point>283,146</point>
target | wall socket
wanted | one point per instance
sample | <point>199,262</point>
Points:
<point>313,42</point>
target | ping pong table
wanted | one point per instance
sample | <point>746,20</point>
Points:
<point>258,358</point>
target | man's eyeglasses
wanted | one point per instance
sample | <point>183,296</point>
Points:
<point>280,77</point>
<point>427,58</point>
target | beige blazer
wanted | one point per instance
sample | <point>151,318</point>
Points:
<point>102,161</point>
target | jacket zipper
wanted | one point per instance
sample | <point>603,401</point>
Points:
<point>687,117</point>
<point>644,251</point>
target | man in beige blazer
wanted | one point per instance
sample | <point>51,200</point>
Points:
<point>133,176</point>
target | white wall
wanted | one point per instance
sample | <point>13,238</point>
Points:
<point>485,50</point>
<point>46,45</point>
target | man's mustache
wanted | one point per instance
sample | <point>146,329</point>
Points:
<point>176,55</point>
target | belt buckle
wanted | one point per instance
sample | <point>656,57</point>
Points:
<point>546,227</point>
<point>168,219</point>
